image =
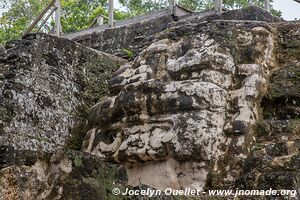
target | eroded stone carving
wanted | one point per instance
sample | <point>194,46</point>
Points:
<point>173,111</point>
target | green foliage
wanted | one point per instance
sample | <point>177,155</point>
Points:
<point>118,15</point>
<point>233,4</point>
<point>78,161</point>
<point>76,15</point>
<point>257,147</point>
<point>18,16</point>
<point>143,6</point>
<point>128,52</point>
<point>138,7</point>
<point>76,136</point>
<point>196,5</point>
<point>79,14</point>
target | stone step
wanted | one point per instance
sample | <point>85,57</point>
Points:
<point>274,159</point>
<point>277,180</point>
<point>276,149</point>
<point>271,165</point>
<point>266,157</point>
<point>277,130</point>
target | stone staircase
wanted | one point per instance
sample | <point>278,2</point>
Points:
<point>274,161</point>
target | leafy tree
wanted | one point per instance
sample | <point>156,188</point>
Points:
<point>195,5</point>
<point>76,15</point>
<point>233,4</point>
<point>138,7</point>
<point>19,14</point>
<point>144,6</point>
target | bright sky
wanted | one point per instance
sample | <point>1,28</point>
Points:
<point>290,9</point>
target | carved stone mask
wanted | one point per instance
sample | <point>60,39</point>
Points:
<point>174,110</point>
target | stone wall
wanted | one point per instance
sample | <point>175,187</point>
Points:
<point>128,41</point>
<point>47,86</point>
<point>273,161</point>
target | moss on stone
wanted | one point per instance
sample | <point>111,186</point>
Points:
<point>261,128</point>
<point>282,100</point>
<point>292,49</point>
<point>285,82</point>
<point>294,126</point>
<point>257,147</point>
<point>93,71</point>
<point>5,114</point>
<point>78,161</point>
<point>76,136</point>
<point>90,178</point>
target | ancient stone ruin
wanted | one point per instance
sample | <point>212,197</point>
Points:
<point>204,103</point>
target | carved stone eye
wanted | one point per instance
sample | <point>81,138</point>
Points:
<point>244,38</point>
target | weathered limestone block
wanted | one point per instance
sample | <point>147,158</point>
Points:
<point>273,161</point>
<point>66,174</point>
<point>46,85</point>
<point>176,110</point>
